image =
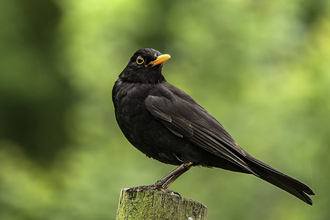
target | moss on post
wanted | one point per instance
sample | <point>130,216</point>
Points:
<point>152,204</point>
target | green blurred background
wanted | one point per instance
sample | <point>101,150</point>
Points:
<point>261,67</point>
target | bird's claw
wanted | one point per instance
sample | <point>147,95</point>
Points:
<point>154,187</point>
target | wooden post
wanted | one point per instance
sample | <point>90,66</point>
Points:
<point>152,204</point>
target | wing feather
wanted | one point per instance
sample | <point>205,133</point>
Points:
<point>188,120</point>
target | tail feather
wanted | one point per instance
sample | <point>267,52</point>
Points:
<point>280,180</point>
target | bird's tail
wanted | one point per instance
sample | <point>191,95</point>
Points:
<point>280,180</point>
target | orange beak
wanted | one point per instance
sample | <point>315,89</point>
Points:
<point>160,60</point>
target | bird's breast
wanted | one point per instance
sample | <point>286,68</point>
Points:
<point>138,125</point>
<point>132,116</point>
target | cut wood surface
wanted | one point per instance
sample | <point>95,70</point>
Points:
<point>152,204</point>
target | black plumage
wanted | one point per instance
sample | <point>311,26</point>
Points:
<point>166,124</point>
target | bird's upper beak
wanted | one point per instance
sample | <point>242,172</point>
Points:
<point>160,60</point>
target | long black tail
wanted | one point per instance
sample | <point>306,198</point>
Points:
<point>280,180</point>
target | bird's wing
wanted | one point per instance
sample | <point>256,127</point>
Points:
<point>186,119</point>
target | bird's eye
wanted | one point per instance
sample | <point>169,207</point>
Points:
<point>139,60</point>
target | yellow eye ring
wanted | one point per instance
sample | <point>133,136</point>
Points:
<point>139,60</point>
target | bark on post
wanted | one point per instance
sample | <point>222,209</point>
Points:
<point>152,204</point>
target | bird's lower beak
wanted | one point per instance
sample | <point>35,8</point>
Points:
<point>160,60</point>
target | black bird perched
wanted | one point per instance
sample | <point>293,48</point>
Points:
<point>166,124</point>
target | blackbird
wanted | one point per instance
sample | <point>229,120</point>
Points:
<point>166,124</point>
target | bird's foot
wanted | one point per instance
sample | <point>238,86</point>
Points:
<point>154,187</point>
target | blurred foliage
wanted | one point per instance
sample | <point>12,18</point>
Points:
<point>261,67</point>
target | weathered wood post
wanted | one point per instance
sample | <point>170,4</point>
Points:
<point>152,204</point>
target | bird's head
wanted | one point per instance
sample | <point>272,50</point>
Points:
<point>145,66</point>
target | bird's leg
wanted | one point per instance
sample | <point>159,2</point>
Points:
<point>177,175</point>
<point>166,181</point>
